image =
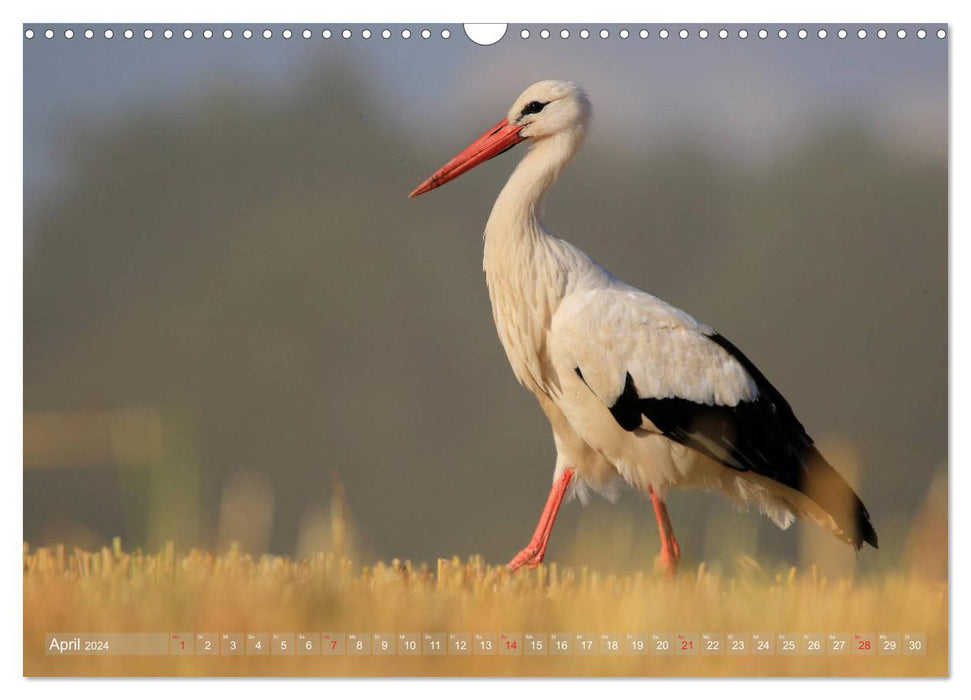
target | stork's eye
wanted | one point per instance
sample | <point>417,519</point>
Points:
<point>534,107</point>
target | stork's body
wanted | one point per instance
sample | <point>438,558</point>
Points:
<point>635,390</point>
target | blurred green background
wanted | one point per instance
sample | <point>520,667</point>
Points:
<point>231,308</point>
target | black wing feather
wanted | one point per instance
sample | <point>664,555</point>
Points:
<point>762,435</point>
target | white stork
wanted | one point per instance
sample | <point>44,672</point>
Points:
<point>632,386</point>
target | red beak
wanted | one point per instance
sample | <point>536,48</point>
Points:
<point>499,138</point>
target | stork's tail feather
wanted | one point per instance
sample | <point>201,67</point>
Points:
<point>824,485</point>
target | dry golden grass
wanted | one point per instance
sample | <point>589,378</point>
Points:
<point>117,591</point>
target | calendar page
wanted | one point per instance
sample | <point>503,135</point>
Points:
<point>602,349</point>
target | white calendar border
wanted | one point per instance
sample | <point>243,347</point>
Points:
<point>438,11</point>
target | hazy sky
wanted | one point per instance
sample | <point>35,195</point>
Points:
<point>642,89</point>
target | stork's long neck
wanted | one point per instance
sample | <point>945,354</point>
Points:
<point>517,213</point>
<point>522,261</point>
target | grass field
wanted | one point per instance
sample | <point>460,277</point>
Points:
<point>117,591</point>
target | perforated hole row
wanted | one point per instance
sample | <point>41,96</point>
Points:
<point>583,34</point>
<point>30,33</point>
<point>723,33</point>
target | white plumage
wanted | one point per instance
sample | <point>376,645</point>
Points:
<point>633,387</point>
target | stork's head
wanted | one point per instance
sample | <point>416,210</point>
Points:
<point>545,109</point>
<point>550,107</point>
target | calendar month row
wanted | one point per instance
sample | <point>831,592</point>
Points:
<point>482,643</point>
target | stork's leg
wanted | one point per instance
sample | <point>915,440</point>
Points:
<point>670,554</point>
<point>532,555</point>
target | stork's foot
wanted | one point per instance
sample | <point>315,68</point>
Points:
<point>667,561</point>
<point>530,557</point>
